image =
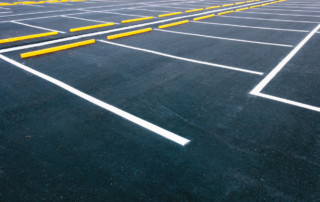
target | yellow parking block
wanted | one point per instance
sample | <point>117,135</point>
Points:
<point>91,27</point>
<point>265,4</point>
<point>6,4</point>
<point>193,10</point>
<point>225,5</point>
<point>57,48</point>
<point>213,7</point>
<point>203,17</point>
<point>20,38</point>
<point>242,9</point>
<point>169,14</point>
<point>250,1</point>
<point>140,31</point>
<point>240,3</point>
<point>223,13</point>
<point>173,24</point>
<point>136,20</point>
<point>255,6</point>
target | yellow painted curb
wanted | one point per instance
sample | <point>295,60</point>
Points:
<point>91,27</point>
<point>255,6</point>
<point>225,5</point>
<point>137,19</point>
<point>6,4</point>
<point>203,17</point>
<point>173,24</point>
<point>140,31</point>
<point>169,14</point>
<point>240,3</point>
<point>213,7</point>
<point>223,13</point>
<point>265,4</point>
<point>20,38</point>
<point>193,10</point>
<point>242,9</point>
<point>250,1</point>
<point>57,48</point>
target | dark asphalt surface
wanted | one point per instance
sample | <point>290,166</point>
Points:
<point>55,146</point>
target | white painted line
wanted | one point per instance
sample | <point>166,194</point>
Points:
<point>290,102</point>
<point>6,12</point>
<point>85,19</point>
<point>274,9</point>
<point>317,16</point>
<point>182,8</point>
<point>117,13</point>
<point>183,58</point>
<point>134,119</point>
<point>224,38</point>
<point>30,5</point>
<point>43,28</point>
<point>116,30</point>
<point>162,11</point>
<point>306,8</point>
<point>250,27</point>
<point>5,8</point>
<point>277,69</point>
<point>62,3</point>
<point>268,19</point>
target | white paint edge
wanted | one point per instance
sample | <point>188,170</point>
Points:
<point>290,102</point>
<point>184,59</point>
<point>134,119</point>
<point>250,27</point>
<point>224,38</point>
<point>278,68</point>
<point>43,28</point>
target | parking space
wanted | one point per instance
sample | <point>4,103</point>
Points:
<point>299,81</point>
<point>222,108</point>
<point>14,30</point>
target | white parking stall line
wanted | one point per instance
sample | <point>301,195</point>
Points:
<point>270,19</point>
<point>43,28</point>
<point>250,27</point>
<point>225,38</point>
<point>183,58</point>
<point>134,119</point>
<point>85,19</point>
<point>316,16</point>
<point>258,88</point>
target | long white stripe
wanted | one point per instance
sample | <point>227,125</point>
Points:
<point>84,19</point>
<point>31,5</point>
<point>224,38</point>
<point>145,124</point>
<point>290,102</point>
<point>162,11</point>
<point>43,28</point>
<point>251,27</point>
<point>276,70</point>
<point>5,8</point>
<point>183,58</point>
<point>317,16</point>
<point>274,9</point>
<point>116,13</point>
<point>269,19</point>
